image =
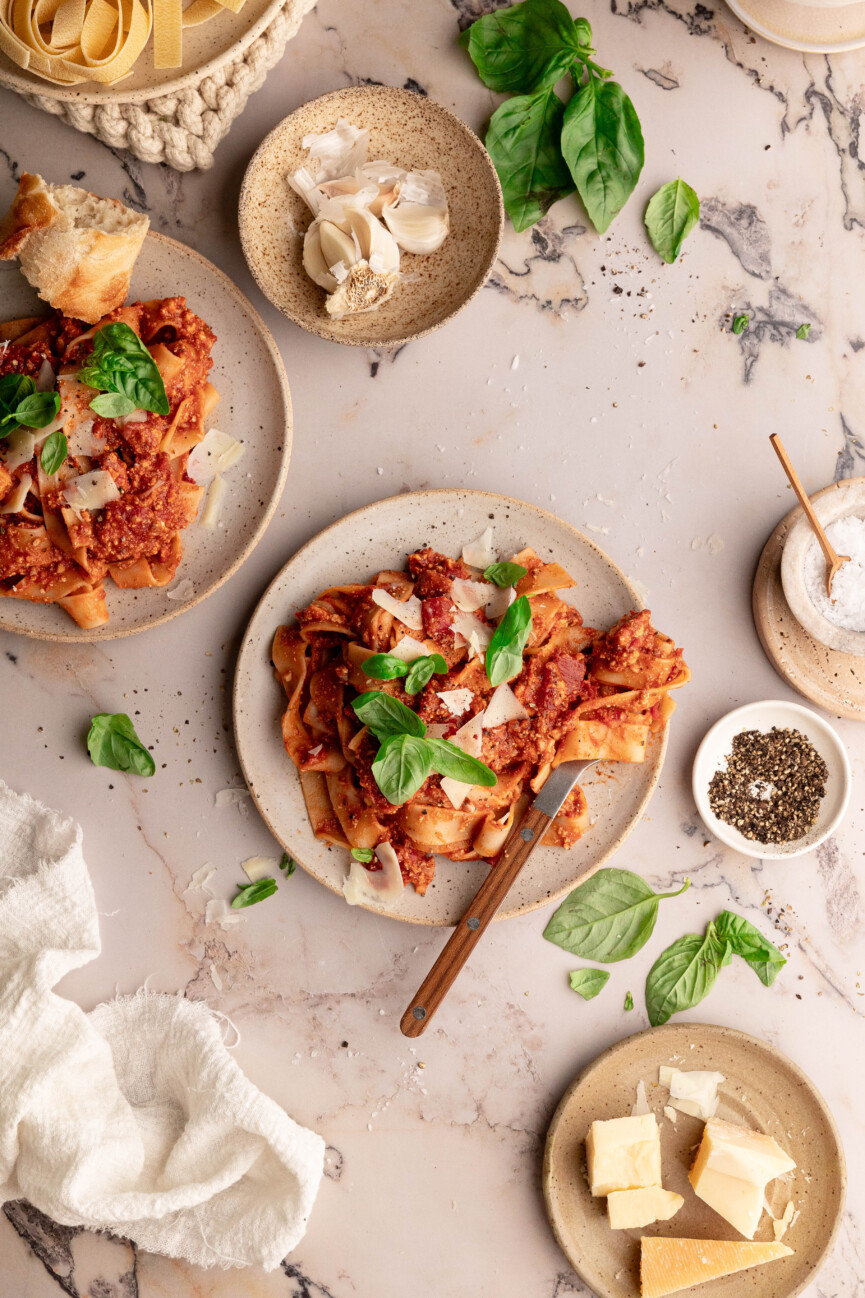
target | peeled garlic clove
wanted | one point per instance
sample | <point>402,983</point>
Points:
<point>336,245</point>
<point>416,227</point>
<point>363,289</point>
<point>313,260</point>
<point>377,245</point>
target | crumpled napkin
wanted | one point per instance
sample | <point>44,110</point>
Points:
<point>133,1119</point>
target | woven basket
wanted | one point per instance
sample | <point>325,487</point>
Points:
<point>184,128</point>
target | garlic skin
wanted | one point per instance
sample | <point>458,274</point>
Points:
<point>418,219</point>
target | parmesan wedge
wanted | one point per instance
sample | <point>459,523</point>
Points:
<point>90,491</point>
<point>667,1265</point>
<point>480,553</point>
<point>384,886</point>
<point>504,706</point>
<point>456,701</point>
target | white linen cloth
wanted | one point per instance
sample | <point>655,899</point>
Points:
<point>133,1119</point>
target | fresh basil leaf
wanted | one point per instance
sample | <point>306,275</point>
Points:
<point>684,974</point>
<point>38,409</point>
<point>401,765</point>
<point>505,574</point>
<point>288,864</point>
<point>608,918</point>
<point>363,854</point>
<point>121,365</point>
<point>250,893</point>
<point>386,716</point>
<point>384,667</point>
<point>13,389</point>
<point>602,145</point>
<point>740,324</point>
<point>629,1002</point>
<point>527,46</point>
<point>746,940</point>
<point>54,452</point>
<point>451,761</point>
<point>670,217</point>
<point>112,742</point>
<point>803,331</point>
<point>113,405</point>
<point>524,143</point>
<point>504,658</point>
<point>588,982</point>
<point>422,671</point>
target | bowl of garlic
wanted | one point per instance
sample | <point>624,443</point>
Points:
<point>371,216</point>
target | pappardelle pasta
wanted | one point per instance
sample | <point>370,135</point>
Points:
<point>392,684</point>
<point>94,494</point>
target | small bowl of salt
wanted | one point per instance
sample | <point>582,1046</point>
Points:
<point>838,622</point>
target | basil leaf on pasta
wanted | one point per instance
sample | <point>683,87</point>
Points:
<point>386,716</point>
<point>451,761</point>
<point>384,667</point>
<point>38,409</point>
<point>20,403</point>
<point>504,658</point>
<point>401,765</point>
<point>249,893</point>
<point>54,452</point>
<point>122,366</point>
<point>363,854</point>
<point>112,742</point>
<point>505,574</point>
<point>422,671</point>
<point>113,405</point>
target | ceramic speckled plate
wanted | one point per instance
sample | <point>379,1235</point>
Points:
<point>254,407</point>
<point>354,549</point>
<point>764,1090</point>
<point>410,131</point>
<point>819,29</point>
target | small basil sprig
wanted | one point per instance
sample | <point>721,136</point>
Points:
<point>505,574</point>
<point>386,716</point>
<point>122,368</point>
<point>608,918</point>
<point>629,1002</point>
<point>363,854</point>
<point>21,404</point>
<point>288,864</point>
<point>528,46</point>
<point>250,893</point>
<point>54,452</point>
<point>588,982</point>
<point>504,658</point>
<point>112,742</point>
<point>384,667</point>
<point>401,765</point>
<point>671,215</point>
<point>748,942</point>
<point>740,324</point>
<point>803,331</point>
<point>387,667</point>
<point>422,671</point>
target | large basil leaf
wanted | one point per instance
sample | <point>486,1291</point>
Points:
<point>588,982</point>
<point>448,760</point>
<point>386,716</point>
<point>504,658</point>
<point>20,403</point>
<point>112,742</point>
<point>401,765</point>
<point>608,918</point>
<point>684,974</point>
<point>13,389</point>
<point>527,46</point>
<point>422,671</point>
<point>38,410</point>
<point>524,142</point>
<point>123,368</point>
<point>384,667</point>
<point>670,217</point>
<point>603,146</point>
<point>747,941</point>
<point>54,452</point>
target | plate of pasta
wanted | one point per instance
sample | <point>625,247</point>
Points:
<point>115,519</point>
<point>433,657</point>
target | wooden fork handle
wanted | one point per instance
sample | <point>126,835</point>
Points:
<point>802,495</point>
<point>523,840</point>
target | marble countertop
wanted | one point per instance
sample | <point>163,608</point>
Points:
<point>633,413</point>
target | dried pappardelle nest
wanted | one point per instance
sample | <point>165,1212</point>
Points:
<point>572,693</point>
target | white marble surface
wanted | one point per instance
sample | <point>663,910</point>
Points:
<point>434,1177</point>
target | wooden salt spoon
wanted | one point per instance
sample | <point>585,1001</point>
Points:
<point>833,559</point>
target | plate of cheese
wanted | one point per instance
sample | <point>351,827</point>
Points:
<point>694,1159</point>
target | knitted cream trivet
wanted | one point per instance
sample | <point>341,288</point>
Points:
<point>183,129</point>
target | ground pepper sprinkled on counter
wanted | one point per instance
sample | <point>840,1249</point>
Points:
<point>772,787</point>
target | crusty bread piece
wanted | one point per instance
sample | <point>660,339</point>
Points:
<point>77,250</point>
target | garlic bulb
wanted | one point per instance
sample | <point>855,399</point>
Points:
<point>363,289</point>
<point>418,219</point>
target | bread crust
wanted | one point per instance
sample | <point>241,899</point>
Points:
<point>76,249</point>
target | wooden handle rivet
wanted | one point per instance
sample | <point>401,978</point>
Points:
<point>474,922</point>
<point>527,834</point>
<point>419,1012</point>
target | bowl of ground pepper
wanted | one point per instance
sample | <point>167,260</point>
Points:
<point>772,779</point>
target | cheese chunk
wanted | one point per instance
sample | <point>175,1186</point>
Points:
<point>624,1153</point>
<point>732,1169</point>
<point>631,1209</point>
<point>667,1265</point>
<point>695,1093</point>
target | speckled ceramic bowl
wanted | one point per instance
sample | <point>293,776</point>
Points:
<point>353,549</point>
<point>254,406</point>
<point>763,1090</point>
<point>846,499</point>
<point>410,131</point>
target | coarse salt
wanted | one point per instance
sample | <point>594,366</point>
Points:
<point>846,608</point>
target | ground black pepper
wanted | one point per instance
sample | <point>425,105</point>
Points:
<point>772,787</point>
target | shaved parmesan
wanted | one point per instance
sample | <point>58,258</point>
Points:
<point>780,1226</point>
<point>456,701</point>
<point>480,553</point>
<point>231,797</point>
<point>134,417</point>
<point>470,739</point>
<point>455,791</point>
<point>641,1103</point>
<point>504,706</point>
<point>20,446</point>
<point>90,490</point>
<point>694,1093</point>
<point>470,595</point>
<point>215,453</point>
<point>200,881</point>
<point>81,439</point>
<point>407,611</point>
<point>216,493</point>
<point>470,631</point>
<point>182,591</point>
<point>44,381</point>
<point>384,885</point>
<point>499,602</point>
<point>15,500</point>
<point>670,1114</point>
<point>259,867</point>
<point>218,911</point>
<point>408,649</point>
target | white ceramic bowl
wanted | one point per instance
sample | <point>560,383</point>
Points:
<point>763,716</point>
<point>847,500</point>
